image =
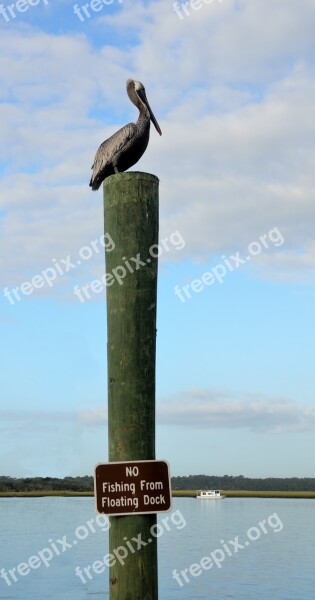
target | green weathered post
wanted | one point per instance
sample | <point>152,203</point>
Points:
<point>131,209</point>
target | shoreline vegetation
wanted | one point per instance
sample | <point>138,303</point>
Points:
<point>184,486</point>
<point>175,494</point>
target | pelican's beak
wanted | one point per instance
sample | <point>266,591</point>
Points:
<point>144,99</point>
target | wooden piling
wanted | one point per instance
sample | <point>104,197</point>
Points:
<point>131,214</point>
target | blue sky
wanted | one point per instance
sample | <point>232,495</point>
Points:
<point>232,86</point>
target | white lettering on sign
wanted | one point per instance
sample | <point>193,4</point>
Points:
<point>118,502</point>
<point>154,499</point>
<point>151,485</point>
<point>119,487</point>
<point>132,471</point>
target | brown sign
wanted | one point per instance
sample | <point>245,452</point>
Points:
<point>133,487</point>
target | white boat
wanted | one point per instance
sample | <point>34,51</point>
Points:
<point>209,495</point>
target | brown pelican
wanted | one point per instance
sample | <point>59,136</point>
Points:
<point>123,149</point>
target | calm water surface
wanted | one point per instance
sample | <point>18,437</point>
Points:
<point>276,559</point>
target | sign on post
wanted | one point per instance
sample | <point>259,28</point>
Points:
<point>133,487</point>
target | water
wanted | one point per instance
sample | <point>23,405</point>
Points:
<point>273,555</point>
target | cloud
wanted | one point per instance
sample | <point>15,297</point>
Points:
<point>93,416</point>
<point>25,422</point>
<point>208,409</point>
<point>63,442</point>
<point>46,443</point>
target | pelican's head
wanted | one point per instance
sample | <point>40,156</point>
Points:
<point>137,95</point>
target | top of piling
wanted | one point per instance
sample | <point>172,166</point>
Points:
<point>128,176</point>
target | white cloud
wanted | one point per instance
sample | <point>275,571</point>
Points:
<point>25,422</point>
<point>46,443</point>
<point>93,416</point>
<point>208,409</point>
<point>40,442</point>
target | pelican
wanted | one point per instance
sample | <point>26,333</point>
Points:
<point>123,149</point>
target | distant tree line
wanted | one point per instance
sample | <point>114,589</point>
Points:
<point>191,482</point>
<point>229,482</point>
<point>31,484</point>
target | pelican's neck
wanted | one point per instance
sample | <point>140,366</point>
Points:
<point>143,110</point>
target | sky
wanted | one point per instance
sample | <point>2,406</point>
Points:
<point>232,86</point>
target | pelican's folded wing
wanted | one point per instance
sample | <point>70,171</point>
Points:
<point>107,151</point>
